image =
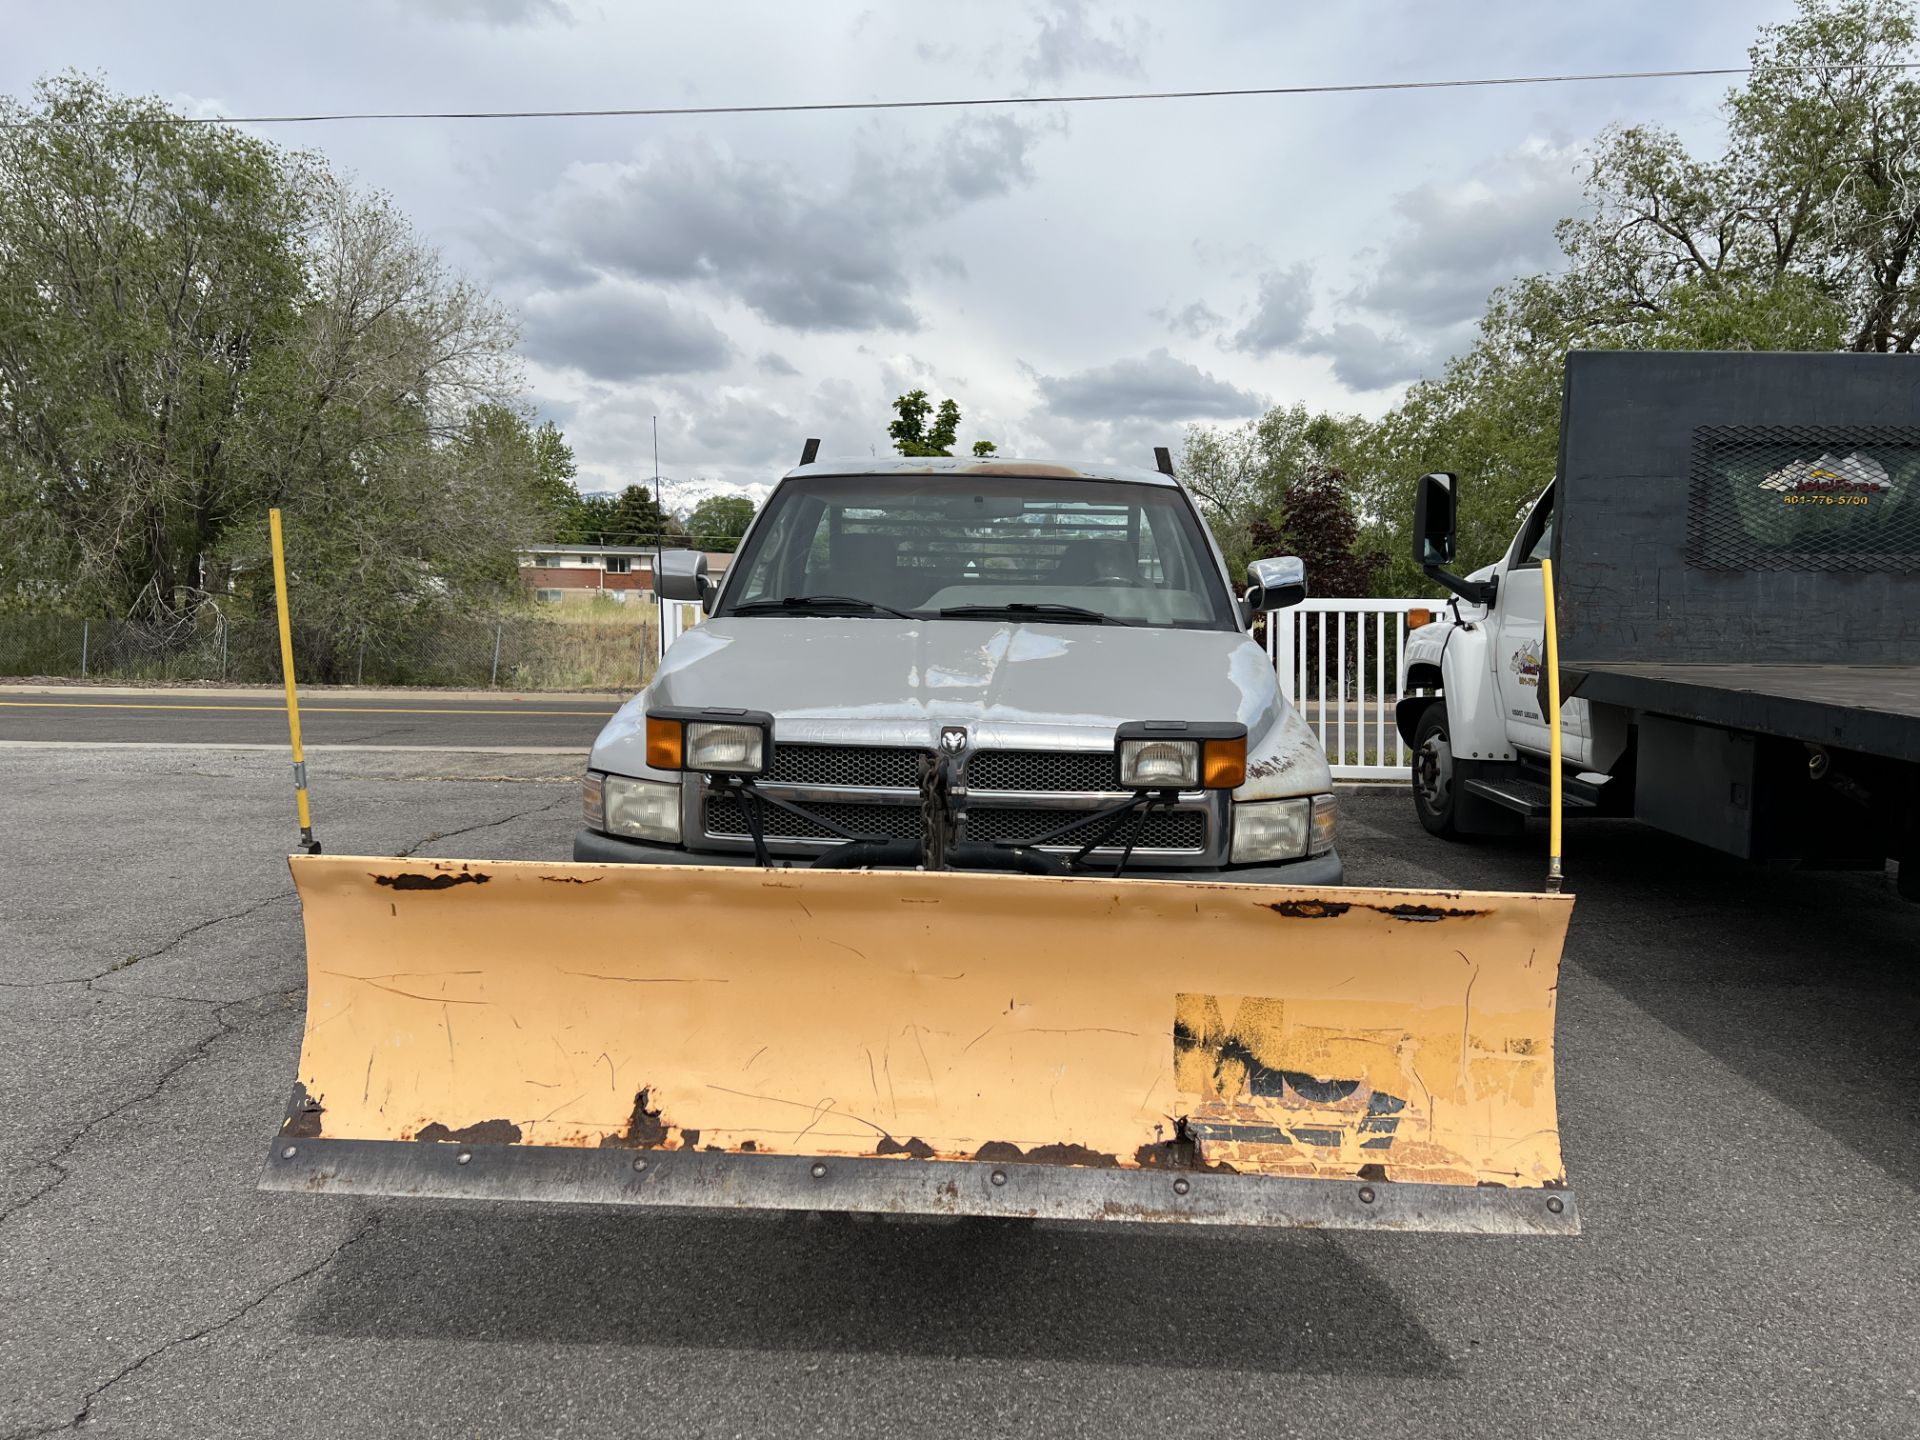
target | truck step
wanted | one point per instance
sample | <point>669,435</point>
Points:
<point>1528,797</point>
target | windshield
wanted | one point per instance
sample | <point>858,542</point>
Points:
<point>1072,551</point>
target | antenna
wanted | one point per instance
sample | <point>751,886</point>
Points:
<point>809,452</point>
<point>1163,459</point>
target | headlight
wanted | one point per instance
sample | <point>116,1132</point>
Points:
<point>1160,764</point>
<point>641,809</point>
<point>1271,830</point>
<point>1181,755</point>
<point>713,741</point>
<point>728,749</point>
<point>1325,815</point>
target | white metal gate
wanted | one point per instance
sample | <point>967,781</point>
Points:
<point>1343,665</point>
<point>676,616</point>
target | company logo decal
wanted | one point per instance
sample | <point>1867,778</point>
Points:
<point>1856,480</point>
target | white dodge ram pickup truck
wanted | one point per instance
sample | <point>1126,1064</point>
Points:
<point>998,664</point>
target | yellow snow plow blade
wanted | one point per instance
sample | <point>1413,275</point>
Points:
<point>953,1043</point>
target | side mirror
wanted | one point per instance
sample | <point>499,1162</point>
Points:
<point>1276,583</point>
<point>683,576</point>
<point>1435,530</point>
<point>1435,524</point>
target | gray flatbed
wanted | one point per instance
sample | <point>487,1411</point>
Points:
<point>1872,708</point>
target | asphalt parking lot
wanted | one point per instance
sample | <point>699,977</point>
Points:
<point>1739,1060</point>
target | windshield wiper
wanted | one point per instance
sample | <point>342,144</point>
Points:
<point>1038,610</point>
<point>800,604</point>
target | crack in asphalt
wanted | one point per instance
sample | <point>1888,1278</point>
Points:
<point>218,1008</point>
<point>255,905</point>
<point>127,964</point>
<point>440,835</point>
<point>200,1051</point>
<point>84,1414</point>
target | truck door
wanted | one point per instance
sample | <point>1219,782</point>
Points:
<point>1519,650</point>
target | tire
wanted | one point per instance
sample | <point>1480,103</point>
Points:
<point>1435,788</point>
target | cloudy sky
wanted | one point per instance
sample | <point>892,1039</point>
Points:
<point>1085,280</point>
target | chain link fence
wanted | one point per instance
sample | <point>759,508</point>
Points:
<point>509,653</point>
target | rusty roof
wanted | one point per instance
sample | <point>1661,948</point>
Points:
<point>967,467</point>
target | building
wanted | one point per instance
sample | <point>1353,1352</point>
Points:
<point>572,573</point>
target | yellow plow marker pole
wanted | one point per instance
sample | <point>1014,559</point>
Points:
<point>1553,722</point>
<point>307,842</point>
<point>1256,1036</point>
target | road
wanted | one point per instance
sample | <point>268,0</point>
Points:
<point>469,720</point>
<point>466,720</point>
<point>1738,1069</point>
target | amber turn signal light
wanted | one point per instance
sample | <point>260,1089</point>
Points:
<point>1223,764</point>
<point>665,743</point>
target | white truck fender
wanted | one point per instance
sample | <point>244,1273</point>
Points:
<point>1452,658</point>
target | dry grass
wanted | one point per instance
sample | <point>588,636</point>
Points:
<point>601,645</point>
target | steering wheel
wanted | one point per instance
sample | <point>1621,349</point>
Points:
<point>1132,582</point>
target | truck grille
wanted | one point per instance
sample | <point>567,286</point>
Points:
<point>1165,830</point>
<point>893,767</point>
<point>1090,776</point>
<point>881,766</point>
<point>727,816</point>
<point>1043,771</point>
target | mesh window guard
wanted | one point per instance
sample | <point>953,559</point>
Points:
<point>1803,497</point>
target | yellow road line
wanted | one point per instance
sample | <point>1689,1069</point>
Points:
<point>277,709</point>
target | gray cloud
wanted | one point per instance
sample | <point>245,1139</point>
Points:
<point>772,364</point>
<point>1157,386</point>
<point>1365,359</point>
<point>1455,244</point>
<point>514,254</point>
<point>982,157</point>
<point>1068,43</point>
<point>804,259</point>
<point>617,332</point>
<point>1195,320</point>
<point>1431,276</point>
<point>495,12</point>
<point>1118,442</point>
<point>753,432</point>
<point>1279,313</point>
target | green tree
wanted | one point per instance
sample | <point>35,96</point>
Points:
<point>1243,476</point>
<point>983,448</point>
<point>145,268</point>
<point>499,445</point>
<point>589,520</point>
<point>376,426</point>
<point>638,519</point>
<point>196,327</point>
<point>913,435</point>
<point>718,522</point>
<point>553,471</point>
<point>1808,220</point>
<point>1315,521</point>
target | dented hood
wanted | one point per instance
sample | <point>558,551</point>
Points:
<point>827,677</point>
